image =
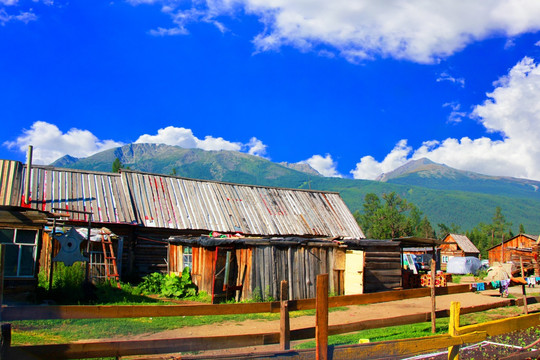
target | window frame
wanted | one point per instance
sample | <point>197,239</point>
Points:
<point>20,246</point>
<point>187,255</point>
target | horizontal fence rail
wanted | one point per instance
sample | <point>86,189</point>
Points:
<point>12,313</point>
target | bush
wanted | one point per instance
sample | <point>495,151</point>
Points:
<point>168,285</point>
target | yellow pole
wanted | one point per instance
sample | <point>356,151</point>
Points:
<point>453,329</point>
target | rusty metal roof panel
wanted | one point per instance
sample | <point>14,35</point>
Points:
<point>10,181</point>
<point>102,194</point>
<point>199,205</point>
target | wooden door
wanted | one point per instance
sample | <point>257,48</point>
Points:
<point>354,272</point>
<point>225,275</point>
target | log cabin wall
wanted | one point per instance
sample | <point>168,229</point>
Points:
<point>514,248</point>
<point>382,269</point>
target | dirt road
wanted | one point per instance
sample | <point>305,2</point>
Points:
<point>351,315</point>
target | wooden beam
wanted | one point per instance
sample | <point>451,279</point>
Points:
<point>503,326</point>
<point>453,326</point>
<point>321,318</point>
<point>10,313</point>
<point>385,349</point>
<point>143,347</point>
<point>284,324</point>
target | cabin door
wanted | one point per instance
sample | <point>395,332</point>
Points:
<point>354,272</point>
<point>225,275</point>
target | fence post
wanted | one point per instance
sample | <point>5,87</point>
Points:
<point>321,317</point>
<point>6,340</point>
<point>523,289</point>
<point>284,325</point>
<point>5,329</point>
<point>453,326</point>
<point>433,303</point>
<point>2,258</point>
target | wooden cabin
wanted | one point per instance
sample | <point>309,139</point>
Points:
<point>147,210</point>
<point>516,248</point>
<point>456,245</point>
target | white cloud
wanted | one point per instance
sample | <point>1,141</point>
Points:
<point>179,136</point>
<point>256,147</point>
<point>455,116</point>
<point>23,16</point>
<point>447,77</point>
<point>512,110</point>
<point>50,143</point>
<point>324,165</point>
<point>418,30</point>
<point>537,43</point>
<point>10,11</point>
<point>369,168</point>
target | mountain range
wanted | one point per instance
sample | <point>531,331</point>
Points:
<point>446,195</point>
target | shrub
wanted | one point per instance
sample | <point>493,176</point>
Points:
<point>168,285</point>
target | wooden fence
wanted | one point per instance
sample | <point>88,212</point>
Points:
<point>320,331</point>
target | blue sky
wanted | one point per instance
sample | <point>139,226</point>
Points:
<point>353,87</point>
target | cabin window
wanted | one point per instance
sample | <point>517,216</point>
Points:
<point>187,257</point>
<point>20,258</point>
<point>444,259</point>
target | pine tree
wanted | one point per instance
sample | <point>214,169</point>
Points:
<point>116,165</point>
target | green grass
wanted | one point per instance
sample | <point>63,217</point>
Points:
<point>63,331</point>
<point>413,330</point>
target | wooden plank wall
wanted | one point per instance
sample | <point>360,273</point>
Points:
<point>271,265</point>
<point>265,267</point>
<point>10,181</point>
<point>203,265</point>
<point>511,250</point>
<point>99,193</point>
<point>149,256</point>
<point>179,203</point>
<point>382,269</point>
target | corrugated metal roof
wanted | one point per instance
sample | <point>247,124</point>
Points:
<point>464,243</point>
<point>153,200</point>
<point>102,194</point>
<point>180,203</point>
<point>10,182</point>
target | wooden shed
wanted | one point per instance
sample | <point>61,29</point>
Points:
<point>511,250</point>
<point>253,268</point>
<point>456,245</point>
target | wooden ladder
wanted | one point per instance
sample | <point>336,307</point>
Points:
<point>109,259</point>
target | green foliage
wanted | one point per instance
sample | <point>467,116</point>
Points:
<point>484,236</point>
<point>168,285</point>
<point>393,217</point>
<point>445,229</point>
<point>67,285</point>
<point>116,165</point>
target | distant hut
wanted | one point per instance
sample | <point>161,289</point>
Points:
<point>512,250</point>
<point>456,245</point>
